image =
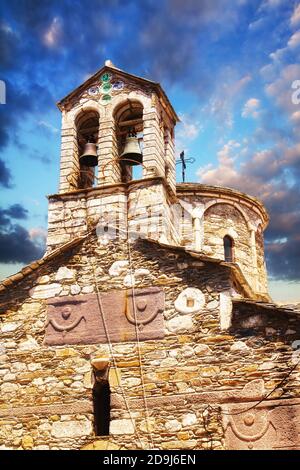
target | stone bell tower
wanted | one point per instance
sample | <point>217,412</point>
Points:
<point>105,110</point>
<point>114,121</point>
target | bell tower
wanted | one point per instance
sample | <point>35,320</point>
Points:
<point>112,124</point>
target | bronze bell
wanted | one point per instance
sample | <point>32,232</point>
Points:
<point>132,154</point>
<point>89,156</point>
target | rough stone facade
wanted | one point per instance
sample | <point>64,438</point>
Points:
<point>222,212</point>
<point>188,377</point>
<point>194,354</point>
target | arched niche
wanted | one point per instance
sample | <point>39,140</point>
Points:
<point>87,130</point>
<point>128,116</point>
<point>234,207</point>
<point>221,219</point>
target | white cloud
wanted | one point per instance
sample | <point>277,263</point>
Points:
<point>226,155</point>
<point>188,128</point>
<point>295,18</point>
<point>262,174</point>
<point>268,72</point>
<point>296,116</point>
<point>225,174</point>
<point>280,89</point>
<point>251,108</point>
<point>51,36</point>
<point>255,25</point>
<point>271,4</point>
<point>48,127</point>
<point>278,55</point>
<point>6,28</point>
<point>294,40</point>
<point>38,235</point>
<point>228,91</point>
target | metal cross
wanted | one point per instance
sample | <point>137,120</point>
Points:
<point>183,161</point>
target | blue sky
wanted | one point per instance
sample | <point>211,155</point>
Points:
<point>227,67</point>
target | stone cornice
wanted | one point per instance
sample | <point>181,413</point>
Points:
<point>111,189</point>
<point>233,195</point>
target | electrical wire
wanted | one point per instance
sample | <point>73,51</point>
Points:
<point>268,394</point>
<point>139,350</point>
<point>100,306</point>
<point>138,345</point>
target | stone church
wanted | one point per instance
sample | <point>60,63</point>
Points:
<point>147,324</point>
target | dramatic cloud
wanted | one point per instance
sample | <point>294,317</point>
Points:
<point>164,40</point>
<point>284,258</point>
<point>267,175</point>
<point>17,245</point>
<point>20,104</point>
<point>16,211</point>
<point>5,174</point>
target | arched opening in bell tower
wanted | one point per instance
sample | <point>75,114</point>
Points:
<point>129,132</point>
<point>87,126</point>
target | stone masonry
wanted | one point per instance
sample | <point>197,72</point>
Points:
<point>189,376</point>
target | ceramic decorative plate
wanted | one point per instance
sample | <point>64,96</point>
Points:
<point>94,90</point>
<point>118,85</point>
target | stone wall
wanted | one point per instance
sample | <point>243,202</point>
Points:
<point>141,207</point>
<point>188,378</point>
<point>221,220</point>
<point>220,212</point>
<point>147,207</point>
<point>260,259</point>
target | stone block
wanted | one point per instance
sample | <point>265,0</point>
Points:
<point>122,426</point>
<point>180,324</point>
<point>64,273</point>
<point>71,429</point>
<point>27,442</point>
<point>173,425</point>
<point>45,291</point>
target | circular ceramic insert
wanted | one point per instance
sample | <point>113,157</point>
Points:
<point>106,77</point>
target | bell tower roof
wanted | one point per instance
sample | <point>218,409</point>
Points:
<point>109,67</point>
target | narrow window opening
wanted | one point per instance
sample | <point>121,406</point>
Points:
<point>228,249</point>
<point>101,402</point>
